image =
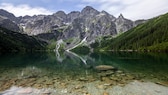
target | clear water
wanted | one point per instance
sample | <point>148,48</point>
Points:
<point>43,70</point>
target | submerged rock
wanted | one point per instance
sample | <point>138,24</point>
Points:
<point>105,93</point>
<point>106,73</point>
<point>83,79</point>
<point>25,91</point>
<point>119,71</point>
<point>104,68</point>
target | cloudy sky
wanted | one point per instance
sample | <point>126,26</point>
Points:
<point>132,9</point>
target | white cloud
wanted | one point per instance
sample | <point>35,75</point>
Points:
<point>24,9</point>
<point>132,9</point>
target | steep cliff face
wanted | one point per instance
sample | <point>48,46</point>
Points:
<point>40,24</point>
<point>92,27</point>
<point>6,23</point>
<point>61,15</point>
<point>72,15</point>
<point>88,22</point>
<point>123,24</point>
<point>8,15</point>
<point>89,12</point>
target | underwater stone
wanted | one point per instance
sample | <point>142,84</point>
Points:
<point>104,67</point>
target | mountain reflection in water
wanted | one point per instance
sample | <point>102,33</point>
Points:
<point>66,66</point>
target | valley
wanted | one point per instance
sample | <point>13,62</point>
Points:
<point>87,52</point>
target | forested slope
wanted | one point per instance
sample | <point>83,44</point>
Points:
<point>151,36</point>
<point>13,41</point>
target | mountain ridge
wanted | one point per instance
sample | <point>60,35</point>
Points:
<point>37,24</point>
<point>150,36</point>
<point>74,26</point>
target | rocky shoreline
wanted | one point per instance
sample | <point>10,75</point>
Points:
<point>132,88</point>
<point>106,80</point>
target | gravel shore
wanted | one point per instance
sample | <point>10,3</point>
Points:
<point>132,88</point>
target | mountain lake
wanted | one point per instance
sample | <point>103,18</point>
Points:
<point>67,73</point>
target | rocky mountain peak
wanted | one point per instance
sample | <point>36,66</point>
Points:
<point>88,10</point>
<point>60,14</point>
<point>104,12</point>
<point>120,16</point>
<point>9,15</point>
<point>6,13</point>
<point>123,24</point>
<point>111,16</point>
<point>88,23</point>
<point>72,15</point>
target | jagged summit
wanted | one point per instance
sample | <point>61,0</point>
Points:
<point>104,12</point>
<point>89,22</point>
<point>59,13</point>
<point>111,16</point>
<point>88,10</point>
<point>121,16</point>
<point>72,15</point>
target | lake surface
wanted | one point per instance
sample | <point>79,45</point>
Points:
<point>57,70</point>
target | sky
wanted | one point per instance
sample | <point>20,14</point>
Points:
<point>131,9</point>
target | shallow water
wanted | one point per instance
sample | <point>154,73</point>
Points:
<point>59,70</point>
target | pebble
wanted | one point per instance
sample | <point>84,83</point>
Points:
<point>83,79</point>
<point>25,91</point>
<point>100,86</point>
<point>107,84</point>
<point>119,71</point>
<point>64,91</point>
<point>109,73</point>
<point>87,94</point>
<point>46,93</point>
<point>114,78</point>
<point>105,93</point>
<point>79,87</point>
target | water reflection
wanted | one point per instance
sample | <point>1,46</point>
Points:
<point>146,65</point>
<point>154,64</point>
<point>37,69</point>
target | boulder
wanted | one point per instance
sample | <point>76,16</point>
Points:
<point>104,68</point>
